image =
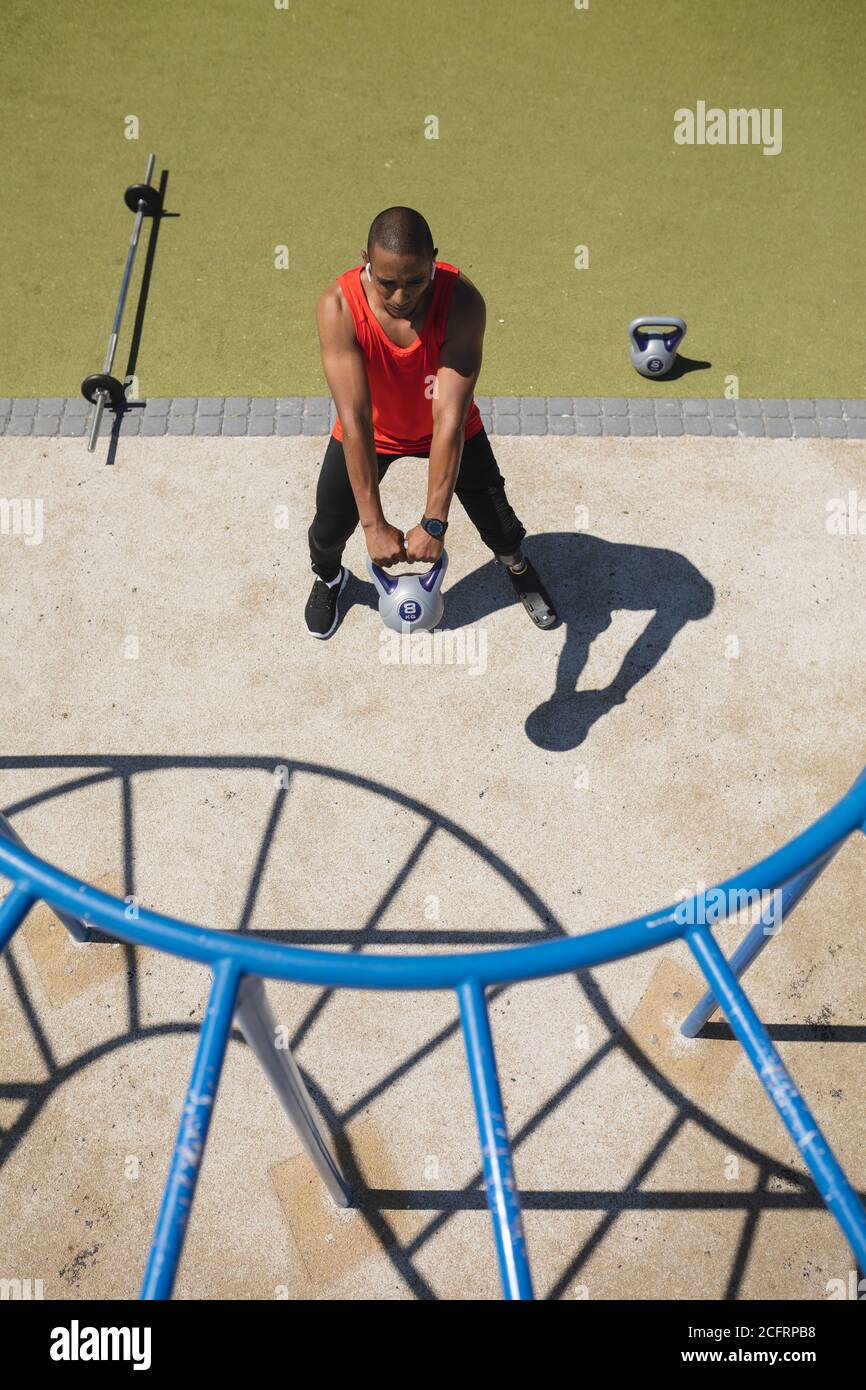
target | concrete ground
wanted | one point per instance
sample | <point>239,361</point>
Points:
<point>699,705</point>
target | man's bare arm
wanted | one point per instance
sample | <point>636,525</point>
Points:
<point>346,374</point>
<point>459,368</point>
<point>343,364</point>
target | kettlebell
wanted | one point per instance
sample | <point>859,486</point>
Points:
<point>410,602</point>
<point>653,354</point>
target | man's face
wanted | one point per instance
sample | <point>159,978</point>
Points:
<point>399,281</point>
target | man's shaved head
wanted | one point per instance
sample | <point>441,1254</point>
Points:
<point>401,230</point>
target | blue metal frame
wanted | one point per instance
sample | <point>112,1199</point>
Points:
<point>192,1133</point>
<point>502,1193</point>
<point>790,870</point>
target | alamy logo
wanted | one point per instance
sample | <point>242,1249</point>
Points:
<point>736,126</point>
<point>21,1288</point>
<point>708,906</point>
<point>77,1343</point>
<point>853,1288</point>
<point>22,516</point>
<point>847,516</point>
<point>439,647</point>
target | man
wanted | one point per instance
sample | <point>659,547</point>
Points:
<point>401,337</point>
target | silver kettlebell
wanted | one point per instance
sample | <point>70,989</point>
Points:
<point>410,602</point>
<point>653,353</point>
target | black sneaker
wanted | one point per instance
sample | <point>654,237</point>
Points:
<point>532,593</point>
<point>322,612</point>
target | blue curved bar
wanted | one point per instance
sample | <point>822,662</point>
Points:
<point>192,1134</point>
<point>495,1149</point>
<point>231,957</point>
<point>835,1189</point>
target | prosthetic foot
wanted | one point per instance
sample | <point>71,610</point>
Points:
<point>529,588</point>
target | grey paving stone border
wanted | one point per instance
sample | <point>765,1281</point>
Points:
<point>584,416</point>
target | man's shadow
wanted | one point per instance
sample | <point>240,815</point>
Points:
<point>589,579</point>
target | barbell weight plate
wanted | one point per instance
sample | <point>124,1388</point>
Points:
<point>103,381</point>
<point>143,193</point>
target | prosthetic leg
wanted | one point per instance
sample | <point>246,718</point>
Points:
<point>529,588</point>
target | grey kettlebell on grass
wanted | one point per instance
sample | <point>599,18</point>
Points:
<point>653,341</point>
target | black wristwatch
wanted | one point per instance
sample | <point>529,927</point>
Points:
<point>434,528</point>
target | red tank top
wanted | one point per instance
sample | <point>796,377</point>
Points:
<point>402,379</point>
